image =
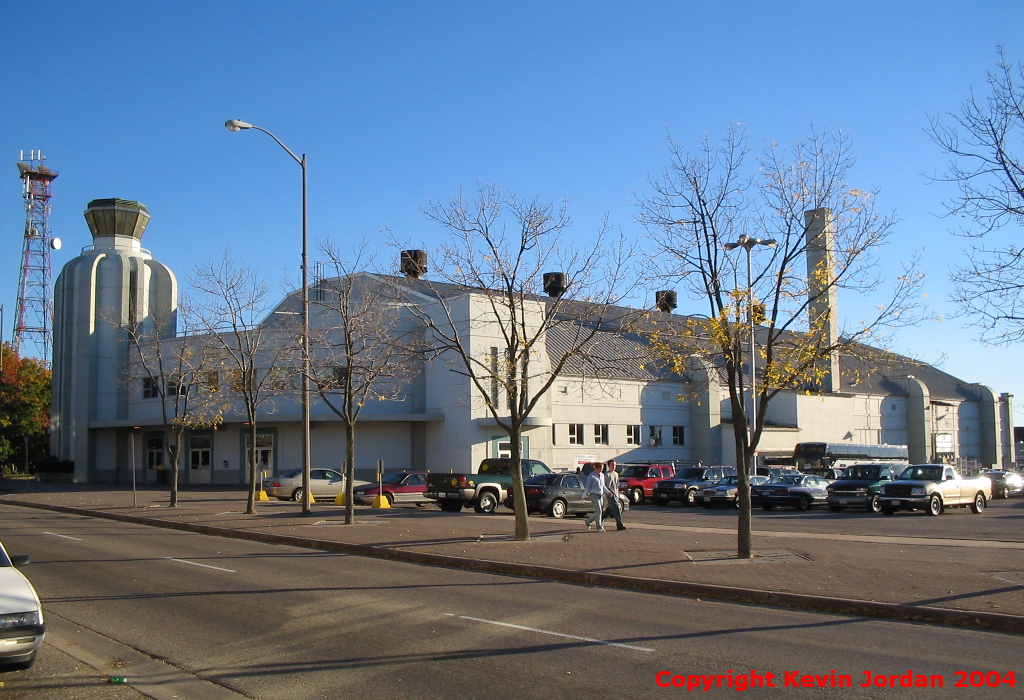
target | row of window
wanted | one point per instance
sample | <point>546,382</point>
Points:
<point>634,435</point>
<point>277,379</point>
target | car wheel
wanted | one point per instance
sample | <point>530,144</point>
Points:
<point>690,499</point>
<point>875,505</point>
<point>934,505</point>
<point>979,503</point>
<point>450,507</point>
<point>636,495</point>
<point>660,501</point>
<point>487,503</point>
<point>838,509</point>
<point>766,506</point>
<point>888,510</point>
<point>558,508</point>
<point>1003,493</point>
<point>736,503</point>
<point>804,503</point>
<point>390,498</point>
<point>297,494</point>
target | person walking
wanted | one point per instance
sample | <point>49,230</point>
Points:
<point>595,490</point>
<point>611,481</point>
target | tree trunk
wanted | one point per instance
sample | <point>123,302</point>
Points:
<point>250,508</point>
<point>518,492</point>
<point>174,451</point>
<point>350,471</point>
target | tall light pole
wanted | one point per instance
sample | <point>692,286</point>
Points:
<point>744,550</point>
<point>236,125</point>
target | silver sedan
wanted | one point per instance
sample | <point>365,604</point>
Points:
<point>323,483</point>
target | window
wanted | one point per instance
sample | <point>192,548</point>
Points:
<point>654,433</point>
<point>176,385</point>
<point>601,434</point>
<point>678,435</point>
<point>200,450</point>
<point>208,382</point>
<point>335,380</point>
<point>150,388</point>
<point>281,378</point>
<point>241,380</point>
<point>575,433</point>
<point>633,434</point>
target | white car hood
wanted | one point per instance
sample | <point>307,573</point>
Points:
<point>16,593</point>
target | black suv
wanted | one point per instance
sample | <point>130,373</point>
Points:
<point>688,484</point>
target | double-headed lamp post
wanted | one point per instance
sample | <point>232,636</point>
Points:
<point>236,125</point>
<point>747,243</point>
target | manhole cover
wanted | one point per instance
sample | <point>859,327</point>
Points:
<point>761,556</point>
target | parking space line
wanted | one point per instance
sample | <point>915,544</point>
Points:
<point>553,634</point>
<point>67,537</point>
<point>205,566</point>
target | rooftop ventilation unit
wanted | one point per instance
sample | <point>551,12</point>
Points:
<point>665,300</point>
<point>554,284</point>
<point>414,263</point>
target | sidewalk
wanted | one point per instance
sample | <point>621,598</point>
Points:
<point>927,579</point>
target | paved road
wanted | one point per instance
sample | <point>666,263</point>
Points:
<point>282,623</point>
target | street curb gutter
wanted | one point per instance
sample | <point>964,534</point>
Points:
<point>859,608</point>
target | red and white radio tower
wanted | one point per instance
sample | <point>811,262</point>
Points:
<point>35,304</point>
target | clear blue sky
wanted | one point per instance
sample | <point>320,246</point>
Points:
<point>400,102</point>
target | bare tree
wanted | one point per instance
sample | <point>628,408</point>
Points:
<point>500,250</point>
<point>800,202</point>
<point>363,345</point>
<point>177,370</point>
<point>252,347</point>
<point>985,141</point>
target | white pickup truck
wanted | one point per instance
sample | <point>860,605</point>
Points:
<point>932,488</point>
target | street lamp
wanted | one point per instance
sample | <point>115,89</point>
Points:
<point>747,243</point>
<point>237,125</point>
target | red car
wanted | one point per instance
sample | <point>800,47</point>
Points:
<point>637,481</point>
<point>400,487</point>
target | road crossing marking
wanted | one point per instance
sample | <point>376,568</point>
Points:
<point>554,634</point>
<point>67,537</point>
<point>205,566</point>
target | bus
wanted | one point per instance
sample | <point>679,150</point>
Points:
<point>834,455</point>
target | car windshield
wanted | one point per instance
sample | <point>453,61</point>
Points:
<point>543,479</point>
<point>787,480</point>
<point>728,481</point>
<point>292,474</point>
<point>690,473</point>
<point>395,478</point>
<point>861,471</point>
<point>922,473</point>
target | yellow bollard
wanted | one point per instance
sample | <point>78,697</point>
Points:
<point>381,501</point>
<point>261,495</point>
<point>339,500</point>
<point>311,499</point>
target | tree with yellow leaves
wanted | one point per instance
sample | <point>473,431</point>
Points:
<point>822,237</point>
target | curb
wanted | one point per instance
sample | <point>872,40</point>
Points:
<point>798,601</point>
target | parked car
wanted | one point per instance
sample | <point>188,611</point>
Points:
<point>561,494</point>
<point>1005,483</point>
<point>637,480</point>
<point>484,490</point>
<point>323,483</point>
<point>725,491</point>
<point>858,487</point>
<point>932,488</point>
<point>400,487</point>
<point>802,491</point>
<point>830,473</point>
<point>688,483</point>
<point>21,616</point>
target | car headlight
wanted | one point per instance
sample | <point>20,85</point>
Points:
<point>24,619</point>
<point>917,492</point>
